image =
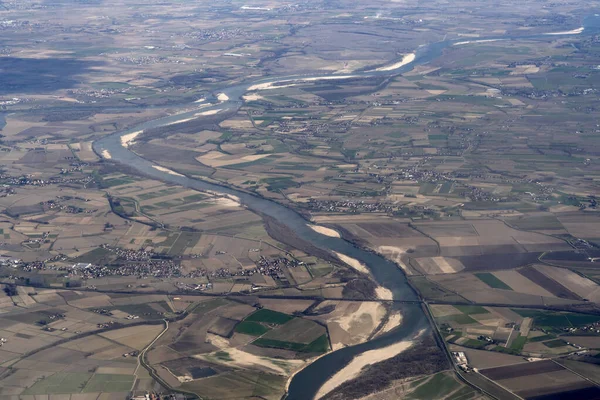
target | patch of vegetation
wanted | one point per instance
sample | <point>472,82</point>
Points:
<point>492,281</point>
<point>541,338</point>
<point>555,343</point>
<point>552,319</point>
<point>251,328</point>
<point>518,343</point>
<point>109,383</point>
<point>97,256</point>
<point>223,356</point>
<point>472,310</point>
<point>437,387</point>
<point>462,319</point>
<point>319,345</point>
<point>279,183</point>
<point>475,344</point>
<point>207,306</point>
<point>269,317</point>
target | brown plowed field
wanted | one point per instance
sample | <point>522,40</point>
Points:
<point>547,283</point>
<point>521,370</point>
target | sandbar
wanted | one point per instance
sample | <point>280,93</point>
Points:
<point>352,262</point>
<point>572,32</point>
<point>353,369</point>
<point>407,59</point>
<point>167,170</point>
<point>324,231</point>
<point>127,140</point>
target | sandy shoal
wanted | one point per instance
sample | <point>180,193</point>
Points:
<point>209,112</point>
<point>407,59</point>
<point>252,97</point>
<point>268,86</point>
<point>284,83</point>
<point>384,293</point>
<point>106,154</point>
<point>222,97</point>
<point>226,202</point>
<point>244,359</point>
<point>476,41</point>
<point>572,32</point>
<point>352,262</point>
<point>324,231</point>
<point>394,321</point>
<point>127,140</point>
<point>353,369</point>
<point>395,253</point>
<point>167,170</point>
<point>180,121</point>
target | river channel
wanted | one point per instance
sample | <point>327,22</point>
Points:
<point>307,382</point>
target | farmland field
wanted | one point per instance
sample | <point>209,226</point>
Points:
<point>269,317</point>
<point>492,281</point>
<point>250,185</point>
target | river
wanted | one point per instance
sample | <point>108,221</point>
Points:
<point>307,382</point>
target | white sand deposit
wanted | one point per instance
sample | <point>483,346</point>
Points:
<point>353,369</point>
<point>222,97</point>
<point>384,294</point>
<point>226,202</point>
<point>293,82</point>
<point>407,59</point>
<point>252,97</point>
<point>180,121</point>
<point>352,262</point>
<point>327,77</point>
<point>324,231</point>
<point>394,321</point>
<point>106,154</point>
<point>572,32</point>
<point>269,86</point>
<point>395,253</point>
<point>209,112</point>
<point>477,41</point>
<point>127,140</point>
<point>167,170</point>
<point>244,359</point>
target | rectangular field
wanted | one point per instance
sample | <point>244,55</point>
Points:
<point>492,281</point>
<point>297,330</point>
<point>547,283</point>
<point>269,317</point>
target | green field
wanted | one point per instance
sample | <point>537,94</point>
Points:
<point>59,383</point>
<point>541,338</point>
<point>251,328</point>
<point>108,183</point>
<point>144,308</point>
<point>518,343</point>
<point>206,306</point>
<point>68,382</point>
<point>555,343</point>
<point>462,319</point>
<point>491,280</point>
<point>94,256</point>
<point>553,319</point>
<point>320,345</point>
<point>109,383</point>
<point>269,317</point>
<point>437,387</point>
<point>472,310</point>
